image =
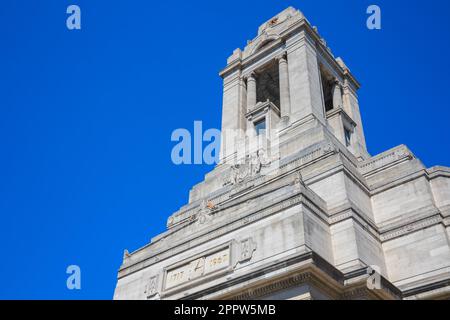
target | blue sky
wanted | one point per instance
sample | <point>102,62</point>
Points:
<point>86,116</point>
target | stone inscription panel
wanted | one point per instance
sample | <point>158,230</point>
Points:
<point>198,268</point>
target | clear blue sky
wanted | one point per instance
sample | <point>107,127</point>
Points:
<point>86,116</point>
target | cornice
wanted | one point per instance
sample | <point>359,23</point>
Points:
<point>438,171</point>
<point>429,291</point>
<point>411,222</point>
<point>385,160</point>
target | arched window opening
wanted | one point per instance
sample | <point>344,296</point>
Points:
<point>327,88</point>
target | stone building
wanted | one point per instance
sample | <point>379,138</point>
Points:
<point>318,219</point>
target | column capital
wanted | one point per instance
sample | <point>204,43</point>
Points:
<point>251,76</point>
<point>337,83</point>
<point>282,58</point>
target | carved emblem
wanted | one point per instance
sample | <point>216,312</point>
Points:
<point>251,167</point>
<point>206,208</point>
<point>151,289</point>
<point>248,246</point>
<point>197,268</point>
<point>202,218</point>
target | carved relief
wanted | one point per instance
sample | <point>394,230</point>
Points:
<point>248,247</point>
<point>203,266</point>
<point>273,287</point>
<point>151,289</point>
<point>329,147</point>
<point>230,178</point>
<point>385,159</point>
<point>298,181</point>
<point>250,168</point>
<point>205,211</point>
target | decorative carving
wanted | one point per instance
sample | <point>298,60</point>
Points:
<point>205,211</point>
<point>202,218</point>
<point>247,170</point>
<point>273,287</point>
<point>242,172</point>
<point>410,227</point>
<point>152,287</point>
<point>282,57</point>
<point>203,266</point>
<point>359,293</point>
<point>403,153</point>
<point>190,214</point>
<point>329,147</point>
<point>377,162</point>
<point>337,83</point>
<point>203,206</point>
<point>298,181</point>
<point>248,246</point>
<point>250,77</point>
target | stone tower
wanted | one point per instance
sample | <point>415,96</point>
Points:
<point>319,218</point>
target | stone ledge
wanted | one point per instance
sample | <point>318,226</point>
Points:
<point>434,290</point>
<point>385,160</point>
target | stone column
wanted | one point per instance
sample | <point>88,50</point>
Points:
<point>285,99</point>
<point>251,91</point>
<point>337,95</point>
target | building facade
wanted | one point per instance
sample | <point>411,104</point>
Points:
<point>312,216</point>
